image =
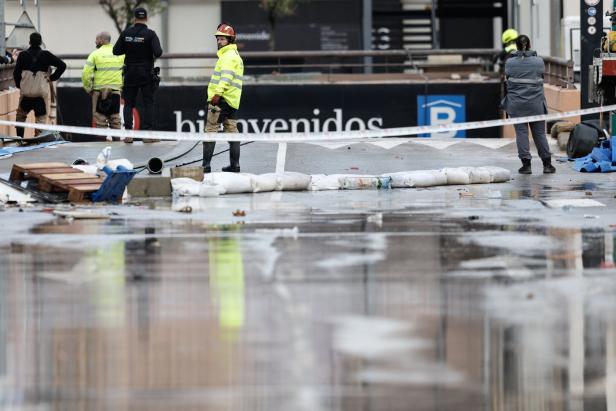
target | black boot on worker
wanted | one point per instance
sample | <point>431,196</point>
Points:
<point>231,169</point>
<point>208,152</point>
<point>234,158</point>
<point>526,168</point>
<point>548,168</point>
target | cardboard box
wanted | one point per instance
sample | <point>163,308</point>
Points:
<point>13,100</point>
<point>4,102</point>
<point>4,130</point>
<point>29,132</point>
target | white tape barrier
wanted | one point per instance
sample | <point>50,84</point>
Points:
<point>307,137</point>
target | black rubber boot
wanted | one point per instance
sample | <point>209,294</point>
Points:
<point>234,158</point>
<point>231,169</point>
<point>548,168</point>
<point>208,152</point>
<point>234,154</point>
<point>525,169</point>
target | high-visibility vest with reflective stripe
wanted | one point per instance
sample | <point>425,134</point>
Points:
<point>228,76</point>
<point>510,48</point>
<point>103,70</point>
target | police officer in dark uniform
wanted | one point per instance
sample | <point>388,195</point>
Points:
<point>141,47</point>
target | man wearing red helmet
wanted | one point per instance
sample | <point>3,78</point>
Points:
<point>223,95</point>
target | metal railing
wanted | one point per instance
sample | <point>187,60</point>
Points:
<point>558,71</point>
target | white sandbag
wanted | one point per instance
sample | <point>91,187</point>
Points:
<point>87,168</point>
<point>498,174</point>
<point>319,182</point>
<point>233,183</point>
<point>264,182</point>
<point>209,190</point>
<point>185,187</point>
<point>419,178</point>
<point>479,175</point>
<point>291,181</point>
<point>113,164</point>
<point>365,182</point>
<point>458,175</point>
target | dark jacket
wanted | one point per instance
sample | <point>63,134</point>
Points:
<point>141,47</point>
<point>44,60</point>
<point>524,73</point>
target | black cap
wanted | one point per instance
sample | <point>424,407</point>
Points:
<point>140,13</point>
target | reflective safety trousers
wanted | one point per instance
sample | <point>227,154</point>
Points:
<point>228,76</point>
<point>103,70</point>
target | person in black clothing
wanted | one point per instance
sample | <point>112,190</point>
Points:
<point>141,47</point>
<point>30,62</point>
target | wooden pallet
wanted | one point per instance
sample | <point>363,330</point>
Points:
<point>58,177</point>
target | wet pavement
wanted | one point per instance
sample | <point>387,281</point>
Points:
<point>483,297</point>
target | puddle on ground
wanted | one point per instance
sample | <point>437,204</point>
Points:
<point>313,310</point>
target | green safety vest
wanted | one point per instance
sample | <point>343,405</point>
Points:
<point>103,70</point>
<point>228,76</point>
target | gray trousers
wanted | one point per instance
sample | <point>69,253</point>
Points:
<point>541,142</point>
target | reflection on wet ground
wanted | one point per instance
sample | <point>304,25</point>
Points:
<point>424,303</point>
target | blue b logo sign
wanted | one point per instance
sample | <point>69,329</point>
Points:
<point>434,110</point>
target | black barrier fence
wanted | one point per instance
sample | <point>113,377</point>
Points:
<point>316,107</point>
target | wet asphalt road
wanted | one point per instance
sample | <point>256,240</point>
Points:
<point>485,297</point>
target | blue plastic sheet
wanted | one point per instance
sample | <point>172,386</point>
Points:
<point>9,151</point>
<point>602,159</point>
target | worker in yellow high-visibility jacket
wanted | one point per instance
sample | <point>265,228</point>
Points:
<point>223,95</point>
<point>102,79</point>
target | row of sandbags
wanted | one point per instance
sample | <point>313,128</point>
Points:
<point>215,184</point>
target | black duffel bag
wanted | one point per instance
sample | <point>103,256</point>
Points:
<point>584,137</point>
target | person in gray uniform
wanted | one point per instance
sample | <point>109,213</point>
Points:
<point>524,75</point>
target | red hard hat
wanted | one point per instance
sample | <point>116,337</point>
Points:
<point>225,30</point>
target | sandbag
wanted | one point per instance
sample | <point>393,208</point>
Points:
<point>584,137</point>
<point>264,182</point>
<point>185,186</point>
<point>479,175</point>
<point>320,182</point>
<point>208,190</point>
<point>233,183</point>
<point>120,162</point>
<point>459,175</point>
<point>365,182</point>
<point>290,181</point>
<point>86,168</point>
<point>419,178</point>
<point>498,174</point>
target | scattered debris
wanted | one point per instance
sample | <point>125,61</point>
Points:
<point>186,209</point>
<point>239,213</point>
